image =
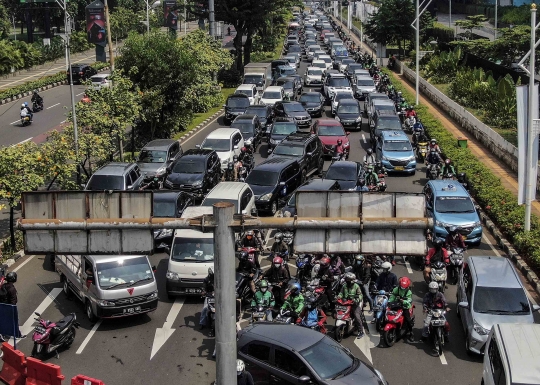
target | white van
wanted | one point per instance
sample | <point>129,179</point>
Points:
<point>226,142</point>
<point>238,193</point>
<point>512,355</point>
<point>190,256</point>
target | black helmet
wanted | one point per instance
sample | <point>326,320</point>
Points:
<point>11,277</point>
<point>361,182</point>
<point>35,92</point>
<point>211,272</point>
<point>244,255</point>
<point>311,302</point>
<point>369,151</point>
<point>438,243</point>
<point>235,158</point>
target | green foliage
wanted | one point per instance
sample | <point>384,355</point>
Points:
<point>30,54</point>
<point>516,15</point>
<point>10,57</point>
<point>500,204</point>
<point>471,22</point>
<point>442,68</point>
<point>78,42</point>
<point>439,32</point>
<point>123,20</point>
<point>5,23</point>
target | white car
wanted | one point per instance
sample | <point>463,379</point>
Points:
<point>311,51</point>
<point>335,83</point>
<point>100,81</point>
<point>339,95</point>
<point>250,90</point>
<point>226,142</point>
<point>291,59</point>
<point>319,64</point>
<point>313,76</point>
<point>272,94</point>
<point>328,60</point>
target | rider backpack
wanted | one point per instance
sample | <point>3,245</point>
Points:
<point>437,257</point>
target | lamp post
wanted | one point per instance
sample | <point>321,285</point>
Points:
<point>416,25</point>
<point>496,6</point>
<point>148,8</point>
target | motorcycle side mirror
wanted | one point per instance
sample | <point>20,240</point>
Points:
<point>464,305</point>
<point>304,380</point>
<point>165,247</point>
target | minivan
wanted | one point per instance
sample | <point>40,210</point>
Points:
<point>239,193</point>
<point>490,292</point>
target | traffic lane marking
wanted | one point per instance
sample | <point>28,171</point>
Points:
<point>51,296</point>
<point>89,337</point>
<point>194,134</point>
<point>54,105</point>
<point>26,261</point>
<point>407,264</point>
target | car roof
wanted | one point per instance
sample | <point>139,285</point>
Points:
<point>114,168</point>
<point>271,164</point>
<point>378,95</point>
<point>494,272</point>
<point>298,137</point>
<point>348,101</point>
<point>227,189</point>
<point>311,93</point>
<point>222,133</point>
<point>364,77</point>
<point>102,75</point>
<point>291,102</point>
<point>319,184</point>
<point>273,88</point>
<point>337,75</point>
<point>298,338</point>
<point>196,152</point>
<point>237,96</point>
<point>245,87</point>
<point>385,114</point>
<point>284,119</point>
<point>382,101</point>
<point>313,68</point>
<point>394,135</point>
<point>344,163</point>
<point>286,79</point>
<point>447,188</point>
<point>247,117</point>
<point>159,144</point>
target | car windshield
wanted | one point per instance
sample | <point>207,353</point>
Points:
<point>189,167</point>
<point>384,107</point>
<point>365,82</point>
<point>282,128</point>
<point>327,358</point>
<point>262,178</point>
<point>271,95</point>
<point>293,107</point>
<point>338,172</point>
<point>347,61</point>
<point>105,182</point>
<point>124,272</point>
<point>339,82</point>
<point>500,300</point>
<point>248,93</point>
<point>237,102</point>
<point>289,150</point>
<point>152,156</point>
<point>454,205</point>
<point>287,84</point>
<point>315,72</point>
<point>288,71</point>
<point>252,79</point>
<point>197,250</point>
<point>397,145</point>
<point>259,111</point>
<point>320,65</point>
<point>326,59</point>
<point>393,124</point>
<point>342,95</point>
<point>166,209</point>
<point>330,131</point>
<point>295,48</point>
<point>348,109</point>
<point>291,59</point>
<point>217,144</point>
<point>247,129</point>
<point>310,99</point>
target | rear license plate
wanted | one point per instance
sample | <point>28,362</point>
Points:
<point>399,168</point>
<point>131,310</point>
<point>258,314</point>
<point>438,323</point>
<point>195,291</point>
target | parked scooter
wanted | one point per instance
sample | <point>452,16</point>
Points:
<point>394,327</point>
<point>456,261</point>
<point>49,336</point>
<point>439,274</point>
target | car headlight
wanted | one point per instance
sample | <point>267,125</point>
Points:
<point>266,197</point>
<point>105,303</point>
<point>198,183</point>
<point>412,159</point>
<point>384,158</point>
<point>172,275</point>
<point>153,295</point>
<point>480,330</point>
<point>379,374</point>
<point>160,171</point>
<point>442,224</point>
<point>477,224</point>
<point>225,161</point>
<point>358,120</point>
<point>272,141</point>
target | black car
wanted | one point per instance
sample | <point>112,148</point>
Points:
<point>264,113</point>
<point>277,353</point>
<point>197,171</point>
<point>351,68</point>
<point>349,114</point>
<point>294,48</point>
<point>281,128</point>
<point>306,148</point>
<point>289,86</point>
<point>347,173</point>
<point>80,72</point>
<point>272,180</point>
<point>294,110</point>
<point>313,102</point>
<point>284,71</point>
<point>169,204</point>
<point>289,209</point>
<point>250,128</point>
<point>383,120</point>
<point>279,62</point>
<point>235,105</point>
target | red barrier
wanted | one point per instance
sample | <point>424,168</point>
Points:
<point>14,368</point>
<point>40,373</point>
<point>83,380</point>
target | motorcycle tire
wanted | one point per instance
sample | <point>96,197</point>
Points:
<point>339,333</point>
<point>70,338</point>
<point>439,341</point>
<point>390,337</point>
<point>35,353</point>
<point>379,325</point>
<point>442,287</point>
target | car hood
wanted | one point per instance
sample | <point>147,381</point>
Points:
<point>332,140</point>
<point>261,190</point>
<point>185,178</point>
<point>240,110</point>
<point>149,168</point>
<point>362,375</point>
<point>224,155</point>
<point>398,155</point>
<point>458,219</point>
<point>269,101</point>
<point>310,104</point>
<point>488,320</point>
<point>347,116</point>
<point>298,114</point>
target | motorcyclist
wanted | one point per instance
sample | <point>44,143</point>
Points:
<point>433,299</point>
<point>248,267</point>
<point>340,148</point>
<point>278,275</point>
<point>9,286</point>
<point>433,145</point>
<point>326,277</point>
<point>279,246</point>
<point>454,239</point>
<point>411,113</point>
<point>250,240</point>
<point>369,158</point>
<point>403,294</point>
<point>246,158</point>
<point>243,377</point>
<point>351,291</point>
<point>362,269</point>
<point>336,265</point>
<point>362,185</point>
<point>36,98</point>
<point>386,280</point>
<point>264,297</point>
<point>208,287</point>
<point>448,168</point>
<point>372,179</point>
<point>26,112</point>
<point>418,132</point>
<point>237,166</point>
<point>435,254</point>
<point>312,315</point>
<point>433,159</point>
<point>295,300</point>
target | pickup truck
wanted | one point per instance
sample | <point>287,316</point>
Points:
<point>109,286</point>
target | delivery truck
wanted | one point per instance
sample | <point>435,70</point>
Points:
<point>259,74</point>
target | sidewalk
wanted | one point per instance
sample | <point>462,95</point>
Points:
<point>507,176</point>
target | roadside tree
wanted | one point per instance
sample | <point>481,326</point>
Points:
<point>470,23</point>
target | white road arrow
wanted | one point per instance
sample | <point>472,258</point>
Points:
<point>369,341</point>
<point>164,333</point>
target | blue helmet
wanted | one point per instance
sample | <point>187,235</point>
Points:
<point>295,288</point>
<point>26,104</point>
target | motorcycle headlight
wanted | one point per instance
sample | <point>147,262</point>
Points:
<point>480,330</point>
<point>173,276</point>
<point>266,197</point>
<point>198,183</point>
<point>105,303</point>
<point>153,295</point>
<point>160,171</point>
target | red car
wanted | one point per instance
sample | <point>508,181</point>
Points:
<point>329,131</point>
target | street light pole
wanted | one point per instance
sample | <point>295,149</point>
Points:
<point>147,17</point>
<point>211,20</point>
<point>417,52</point>
<point>496,6</point>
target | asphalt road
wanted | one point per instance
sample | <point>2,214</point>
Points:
<point>118,351</point>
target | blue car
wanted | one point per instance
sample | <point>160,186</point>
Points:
<point>395,152</point>
<point>450,204</point>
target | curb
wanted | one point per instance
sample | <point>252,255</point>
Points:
<point>201,126</point>
<point>18,255</point>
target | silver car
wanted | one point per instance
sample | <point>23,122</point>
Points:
<point>490,292</point>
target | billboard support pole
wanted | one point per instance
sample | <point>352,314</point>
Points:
<point>109,38</point>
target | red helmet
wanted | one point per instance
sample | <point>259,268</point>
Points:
<point>339,142</point>
<point>243,149</point>
<point>277,260</point>
<point>404,282</point>
<point>324,261</point>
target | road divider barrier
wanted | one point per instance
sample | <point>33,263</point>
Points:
<point>41,373</point>
<point>84,380</point>
<point>14,367</point>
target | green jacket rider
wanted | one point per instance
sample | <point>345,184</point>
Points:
<point>401,294</point>
<point>295,301</point>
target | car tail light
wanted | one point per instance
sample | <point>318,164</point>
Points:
<point>80,73</point>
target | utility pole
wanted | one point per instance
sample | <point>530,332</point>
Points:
<point>496,6</point>
<point>530,129</point>
<point>417,52</point>
<point>211,19</point>
<point>225,295</point>
<point>109,37</point>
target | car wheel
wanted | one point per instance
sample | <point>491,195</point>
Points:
<point>65,288</point>
<point>89,312</point>
<point>273,208</point>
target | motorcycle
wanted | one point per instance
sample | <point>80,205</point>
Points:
<point>448,176</point>
<point>37,106</point>
<point>316,290</point>
<point>456,261</point>
<point>409,123</point>
<point>421,151</point>
<point>345,324</point>
<point>242,174</point>
<point>154,184</point>
<point>338,156</point>
<point>288,239</point>
<point>211,301</point>
<point>380,301</point>
<point>439,274</point>
<point>395,322</point>
<point>303,268</point>
<point>26,121</point>
<point>437,326</point>
<point>284,316</point>
<point>258,313</point>
<point>243,289</point>
<point>49,336</point>
<point>432,172</point>
<point>228,174</point>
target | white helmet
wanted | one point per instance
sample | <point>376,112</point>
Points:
<point>23,105</point>
<point>240,367</point>
<point>433,287</point>
<point>386,266</point>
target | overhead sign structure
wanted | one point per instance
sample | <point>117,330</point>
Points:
<point>96,30</point>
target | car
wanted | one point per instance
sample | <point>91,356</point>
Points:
<point>395,152</point>
<point>327,59</point>
<point>351,67</point>
<point>273,179</point>
<point>318,64</point>
<point>80,72</point>
<point>449,204</point>
<point>348,113</point>
<point>346,173</point>
<point>298,81</point>
<point>338,97</point>
<point>277,353</point>
<point>278,62</point>
<point>380,105</point>
<point>156,156</point>
<point>281,128</point>
<point>197,171</point>
<point>372,96</point>
<point>272,94</point>
<point>250,128</point>
<point>490,292</point>
<point>289,208</point>
<point>100,81</point>
<point>264,113</point>
<point>329,73</point>
<point>250,90</point>
<point>235,105</point>
<point>363,86</point>
<point>291,59</point>
<point>169,204</point>
<point>294,49</point>
<point>335,83</point>
<point>239,193</point>
<point>313,76</point>
<point>329,132</point>
<point>116,176</point>
<point>226,142</point>
<point>306,148</point>
<point>313,102</point>
<point>284,71</point>
<point>294,110</point>
<point>289,86</point>
<point>344,64</point>
<point>383,121</point>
